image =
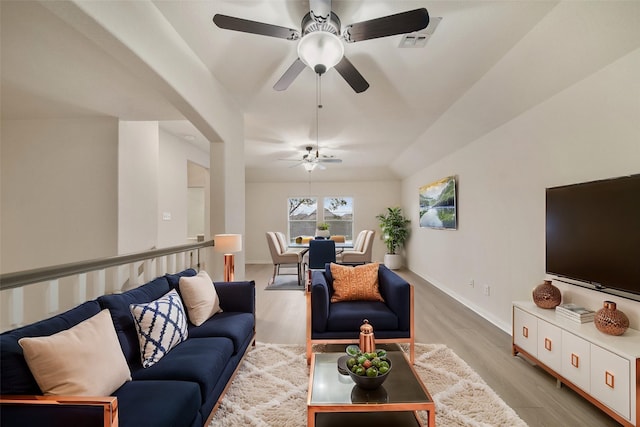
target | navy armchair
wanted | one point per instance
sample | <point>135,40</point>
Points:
<point>339,322</point>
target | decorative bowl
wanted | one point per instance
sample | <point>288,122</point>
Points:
<point>370,383</point>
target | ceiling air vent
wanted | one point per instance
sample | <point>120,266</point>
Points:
<point>420,39</point>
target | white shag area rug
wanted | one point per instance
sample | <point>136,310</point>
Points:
<point>270,390</point>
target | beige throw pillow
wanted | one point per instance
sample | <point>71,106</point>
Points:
<point>200,297</point>
<point>358,283</point>
<point>85,360</point>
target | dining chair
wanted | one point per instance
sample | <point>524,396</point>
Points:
<point>362,249</point>
<point>280,255</point>
<point>321,252</point>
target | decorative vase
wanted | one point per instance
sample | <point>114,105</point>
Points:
<point>323,233</point>
<point>610,320</point>
<point>367,339</point>
<point>545,295</point>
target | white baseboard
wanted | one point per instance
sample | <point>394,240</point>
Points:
<point>506,327</point>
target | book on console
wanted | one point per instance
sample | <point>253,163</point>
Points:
<point>577,319</point>
<point>575,311</point>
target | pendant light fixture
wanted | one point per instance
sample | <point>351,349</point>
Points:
<point>320,50</point>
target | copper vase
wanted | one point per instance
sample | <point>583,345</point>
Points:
<point>610,320</point>
<point>367,340</point>
<point>545,295</point>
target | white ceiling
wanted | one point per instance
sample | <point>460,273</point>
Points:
<point>50,70</point>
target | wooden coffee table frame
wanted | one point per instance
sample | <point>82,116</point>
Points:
<point>313,409</point>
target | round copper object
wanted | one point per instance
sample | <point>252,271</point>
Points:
<point>610,320</point>
<point>367,339</point>
<point>545,295</point>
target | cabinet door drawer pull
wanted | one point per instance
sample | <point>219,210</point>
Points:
<point>525,332</point>
<point>575,360</point>
<point>547,344</point>
<point>609,379</point>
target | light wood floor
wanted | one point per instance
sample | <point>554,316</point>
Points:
<point>530,391</point>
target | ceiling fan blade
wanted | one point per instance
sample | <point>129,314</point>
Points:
<point>351,75</point>
<point>400,23</point>
<point>329,160</point>
<point>290,75</point>
<point>253,27</point>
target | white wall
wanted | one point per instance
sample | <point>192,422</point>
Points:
<point>79,189</point>
<point>138,154</point>
<point>173,187</point>
<point>126,30</point>
<point>589,131</point>
<point>267,209</point>
<point>59,191</point>
<point>153,182</point>
<point>197,195</point>
<point>228,196</point>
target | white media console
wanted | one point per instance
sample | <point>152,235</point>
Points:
<point>602,368</point>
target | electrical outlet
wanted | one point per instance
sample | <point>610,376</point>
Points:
<point>486,290</point>
<point>471,283</point>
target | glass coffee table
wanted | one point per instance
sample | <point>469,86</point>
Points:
<point>334,399</point>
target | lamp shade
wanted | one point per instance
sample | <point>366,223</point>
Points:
<point>227,243</point>
<point>320,50</point>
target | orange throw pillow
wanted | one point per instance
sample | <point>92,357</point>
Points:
<point>358,283</point>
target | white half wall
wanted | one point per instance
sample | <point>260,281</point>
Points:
<point>587,132</point>
<point>267,209</point>
<point>59,191</point>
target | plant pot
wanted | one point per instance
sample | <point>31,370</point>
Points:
<point>323,233</point>
<point>393,261</point>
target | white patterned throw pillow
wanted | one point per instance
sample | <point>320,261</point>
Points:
<point>161,325</point>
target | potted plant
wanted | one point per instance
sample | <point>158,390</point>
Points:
<point>395,232</point>
<point>322,230</point>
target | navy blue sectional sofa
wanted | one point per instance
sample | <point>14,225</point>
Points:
<point>182,389</point>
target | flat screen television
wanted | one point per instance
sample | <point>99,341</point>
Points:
<point>593,235</point>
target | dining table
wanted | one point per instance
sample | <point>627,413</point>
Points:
<point>305,246</point>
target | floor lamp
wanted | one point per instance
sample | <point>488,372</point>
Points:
<point>227,244</point>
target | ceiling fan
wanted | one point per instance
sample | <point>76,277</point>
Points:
<point>310,160</point>
<point>320,46</point>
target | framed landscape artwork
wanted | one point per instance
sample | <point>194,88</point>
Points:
<point>438,204</point>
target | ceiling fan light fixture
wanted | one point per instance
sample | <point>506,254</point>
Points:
<point>309,166</point>
<point>320,50</point>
